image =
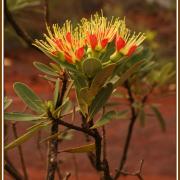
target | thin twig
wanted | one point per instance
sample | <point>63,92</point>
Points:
<point>137,173</point>
<point>9,167</point>
<point>20,153</point>
<point>104,142</point>
<point>129,134</point>
<point>53,145</point>
<point>12,172</point>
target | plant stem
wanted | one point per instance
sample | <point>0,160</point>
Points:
<point>53,146</point>
<point>9,167</point>
<point>129,134</point>
<point>20,153</point>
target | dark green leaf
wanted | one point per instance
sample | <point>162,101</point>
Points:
<point>29,97</point>
<point>159,117</point>
<point>91,67</point>
<point>100,99</point>
<point>101,77</point>
<point>127,74</point>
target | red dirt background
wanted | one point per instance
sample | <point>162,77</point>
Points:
<point>158,149</point>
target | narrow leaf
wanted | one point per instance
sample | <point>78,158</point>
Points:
<point>127,74</point>
<point>159,117</point>
<point>81,149</point>
<point>17,116</point>
<point>56,93</point>
<point>45,69</point>
<point>100,99</point>
<point>22,138</point>
<point>108,117</point>
<point>29,97</point>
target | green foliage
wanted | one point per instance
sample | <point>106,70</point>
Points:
<point>17,5</point>
<point>91,66</point>
<point>45,69</point>
<point>29,97</point>
<point>159,116</point>
<point>100,100</point>
<point>56,93</point>
<point>81,149</point>
<point>17,116</point>
<point>128,74</point>
<point>161,76</point>
<point>108,117</point>
<point>23,138</point>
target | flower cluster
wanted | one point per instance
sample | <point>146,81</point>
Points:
<point>89,38</point>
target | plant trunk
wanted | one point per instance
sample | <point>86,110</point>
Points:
<point>52,154</point>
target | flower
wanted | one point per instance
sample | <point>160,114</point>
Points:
<point>64,42</point>
<point>100,31</point>
<point>89,39</point>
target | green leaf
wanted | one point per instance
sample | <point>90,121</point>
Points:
<point>45,69</point>
<point>99,80</point>
<point>100,99</point>
<point>108,117</point>
<point>159,117</point>
<point>56,93</point>
<point>29,97</point>
<point>127,74</point>
<point>81,149</point>
<point>48,78</point>
<point>101,77</point>
<point>7,102</point>
<point>23,138</point>
<point>82,104</point>
<point>165,71</point>
<point>17,116</point>
<point>66,107</point>
<point>79,81</point>
<point>91,67</point>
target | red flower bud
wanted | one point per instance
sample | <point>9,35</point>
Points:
<point>54,53</point>
<point>120,43</point>
<point>104,43</point>
<point>93,40</point>
<point>68,57</point>
<point>131,50</point>
<point>79,53</point>
<point>59,44</point>
<point>68,37</point>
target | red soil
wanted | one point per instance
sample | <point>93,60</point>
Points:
<point>156,148</point>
